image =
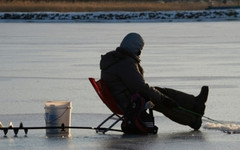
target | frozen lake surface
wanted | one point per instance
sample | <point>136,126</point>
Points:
<point>52,61</point>
<point>170,137</point>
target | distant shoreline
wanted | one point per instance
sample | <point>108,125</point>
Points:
<point>122,16</point>
<point>110,5</point>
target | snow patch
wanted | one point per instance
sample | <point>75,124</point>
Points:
<point>149,16</point>
<point>231,128</point>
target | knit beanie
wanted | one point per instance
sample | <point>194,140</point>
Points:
<point>133,42</point>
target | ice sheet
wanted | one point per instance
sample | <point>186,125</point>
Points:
<point>41,62</point>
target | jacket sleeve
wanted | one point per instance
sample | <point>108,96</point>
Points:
<point>134,80</point>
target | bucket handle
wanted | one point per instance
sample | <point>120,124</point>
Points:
<point>57,117</point>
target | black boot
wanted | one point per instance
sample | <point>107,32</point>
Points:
<point>201,100</point>
<point>197,124</point>
<point>202,97</point>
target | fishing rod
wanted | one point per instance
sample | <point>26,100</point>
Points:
<point>62,127</point>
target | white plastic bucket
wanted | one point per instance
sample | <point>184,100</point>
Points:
<point>56,114</point>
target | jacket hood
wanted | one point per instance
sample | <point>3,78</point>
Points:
<point>133,43</point>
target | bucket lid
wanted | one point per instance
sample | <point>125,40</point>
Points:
<point>59,104</point>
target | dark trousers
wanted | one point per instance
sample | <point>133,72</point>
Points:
<point>185,100</point>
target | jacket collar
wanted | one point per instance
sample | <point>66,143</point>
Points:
<point>126,53</point>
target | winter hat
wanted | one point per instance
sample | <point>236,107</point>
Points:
<point>133,42</point>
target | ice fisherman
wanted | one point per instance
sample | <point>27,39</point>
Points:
<point>122,73</point>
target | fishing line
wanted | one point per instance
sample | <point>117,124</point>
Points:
<point>192,112</point>
<point>217,125</point>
